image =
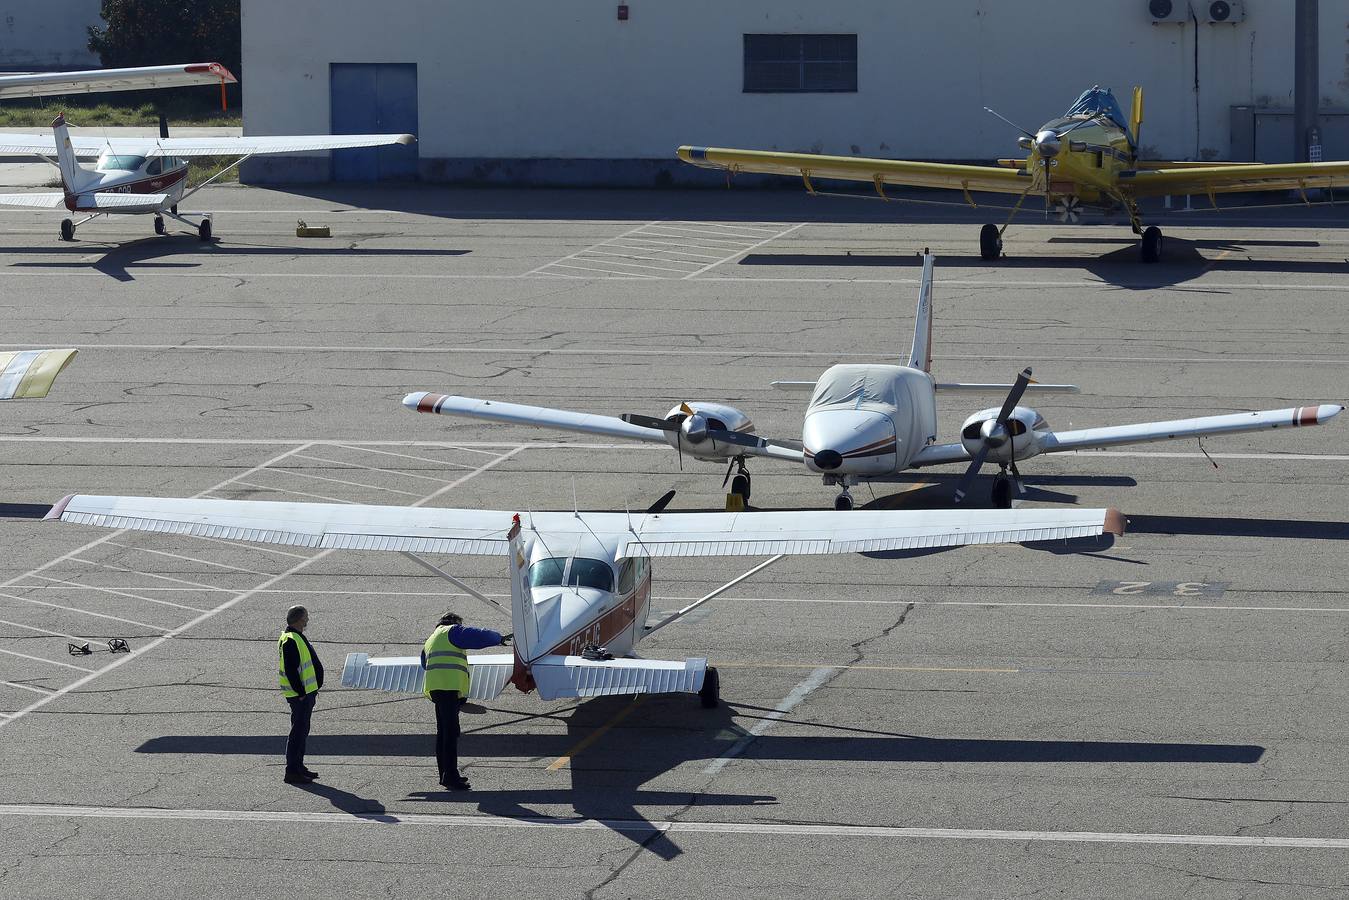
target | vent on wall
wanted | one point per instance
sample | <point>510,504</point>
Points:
<point>1175,12</point>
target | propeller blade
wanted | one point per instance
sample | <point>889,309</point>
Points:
<point>734,437</point>
<point>1074,127</point>
<point>1014,395</point>
<point>1009,122</point>
<point>642,421</point>
<point>659,505</point>
<point>968,478</point>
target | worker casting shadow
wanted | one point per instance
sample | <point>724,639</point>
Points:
<point>347,802</point>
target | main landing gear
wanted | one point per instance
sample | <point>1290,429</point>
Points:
<point>159,225</point>
<point>1150,248</point>
<point>990,242</point>
<point>710,693</point>
<point>67,230</point>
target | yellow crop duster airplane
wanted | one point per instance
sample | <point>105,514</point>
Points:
<point>1087,157</point>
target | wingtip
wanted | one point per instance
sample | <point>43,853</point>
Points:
<point>59,509</point>
<point>411,400</point>
<point>407,139</point>
<point>423,401</point>
<point>1114,522</point>
<point>1327,411</point>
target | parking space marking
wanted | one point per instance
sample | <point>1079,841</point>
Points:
<point>27,687</point>
<point>115,593</point>
<point>816,679</point>
<point>50,662</point>
<point>191,559</point>
<point>667,249</point>
<point>338,462</point>
<point>276,490</point>
<point>293,473</point>
<point>60,634</point>
<point>78,611</point>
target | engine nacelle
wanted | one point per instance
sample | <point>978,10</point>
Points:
<point>1021,441</point>
<point>693,437</point>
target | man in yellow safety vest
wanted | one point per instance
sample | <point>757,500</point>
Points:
<point>301,676</point>
<point>447,685</point>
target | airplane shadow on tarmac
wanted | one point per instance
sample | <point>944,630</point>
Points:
<point>1182,261</point>
<point>659,735</point>
<point>145,253</point>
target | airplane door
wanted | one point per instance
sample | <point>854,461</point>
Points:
<point>374,98</point>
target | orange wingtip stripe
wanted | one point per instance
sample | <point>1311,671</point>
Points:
<point>1115,521</point>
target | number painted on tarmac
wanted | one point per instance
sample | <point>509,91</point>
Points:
<point>1206,590</point>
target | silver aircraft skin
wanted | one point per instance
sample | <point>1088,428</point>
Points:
<point>873,421</point>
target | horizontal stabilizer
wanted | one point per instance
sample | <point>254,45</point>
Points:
<point>576,676</point>
<point>489,673</point>
<point>1033,388</point>
<point>34,200</point>
<point>112,202</point>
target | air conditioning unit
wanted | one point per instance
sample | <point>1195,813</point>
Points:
<point>1169,12</point>
<point>1222,12</point>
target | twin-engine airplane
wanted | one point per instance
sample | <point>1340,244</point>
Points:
<point>580,581</point>
<point>148,176</point>
<point>1088,157</point>
<point>871,422</point>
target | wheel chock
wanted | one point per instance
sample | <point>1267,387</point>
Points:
<point>303,230</point>
<point>735,503</point>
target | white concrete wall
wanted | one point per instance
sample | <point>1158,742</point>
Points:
<point>565,79</point>
<point>47,34</point>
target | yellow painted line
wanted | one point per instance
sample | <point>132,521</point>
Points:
<point>749,665</point>
<point>1213,262</point>
<point>565,759</point>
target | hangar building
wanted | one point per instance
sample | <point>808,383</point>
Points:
<point>600,92</point>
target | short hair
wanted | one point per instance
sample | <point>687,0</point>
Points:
<point>295,614</point>
<point>451,618</point>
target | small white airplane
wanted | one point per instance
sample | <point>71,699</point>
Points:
<point>148,176</point>
<point>870,422</point>
<point>28,374</point>
<point>89,81</point>
<point>580,581</point>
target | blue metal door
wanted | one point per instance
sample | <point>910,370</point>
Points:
<point>374,98</point>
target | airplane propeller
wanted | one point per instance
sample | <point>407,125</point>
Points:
<point>691,426</point>
<point>1047,144</point>
<point>994,434</point>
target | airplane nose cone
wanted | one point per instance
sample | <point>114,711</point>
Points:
<point>1048,144</point>
<point>828,460</point>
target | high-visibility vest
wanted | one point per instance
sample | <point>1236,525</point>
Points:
<point>446,664</point>
<point>310,682</point>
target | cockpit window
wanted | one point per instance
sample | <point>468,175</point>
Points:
<point>853,387</point>
<point>547,572</point>
<point>591,573</point>
<point>586,573</point>
<point>120,161</point>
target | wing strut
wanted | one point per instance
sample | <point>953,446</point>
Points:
<point>237,162</point>
<point>651,629</point>
<point>432,567</point>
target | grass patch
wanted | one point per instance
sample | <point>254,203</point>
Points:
<point>40,113</point>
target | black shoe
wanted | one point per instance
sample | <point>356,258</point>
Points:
<point>297,778</point>
<point>456,784</point>
<point>310,774</point>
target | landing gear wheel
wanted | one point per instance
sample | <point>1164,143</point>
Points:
<point>1002,492</point>
<point>67,230</point>
<point>740,485</point>
<point>990,242</point>
<point>159,225</point>
<point>710,694</point>
<point>843,502</point>
<point>1151,247</point>
<point>204,230</point>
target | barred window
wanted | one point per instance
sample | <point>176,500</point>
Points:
<point>800,63</point>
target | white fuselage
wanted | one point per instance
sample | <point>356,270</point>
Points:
<point>131,174</point>
<point>868,420</point>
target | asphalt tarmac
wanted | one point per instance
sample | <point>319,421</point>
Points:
<point>1158,716</point>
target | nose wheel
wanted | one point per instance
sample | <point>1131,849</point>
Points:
<point>740,484</point>
<point>843,502</point>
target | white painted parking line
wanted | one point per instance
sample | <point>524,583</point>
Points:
<point>816,679</point>
<point>50,662</point>
<point>191,559</point>
<point>685,249</point>
<point>539,269</point>
<point>356,484</point>
<point>103,590</point>
<point>77,610</point>
<point>766,240</point>
<point>28,687</point>
<point>644,826</point>
<point>352,465</point>
<point>276,490</point>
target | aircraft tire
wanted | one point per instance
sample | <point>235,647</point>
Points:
<point>990,242</point>
<point>67,230</point>
<point>1150,248</point>
<point>740,485</point>
<point>204,230</point>
<point>1002,493</point>
<point>710,694</point>
<point>159,225</point>
<point>843,503</point>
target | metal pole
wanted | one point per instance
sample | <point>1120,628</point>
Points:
<point>1306,76</point>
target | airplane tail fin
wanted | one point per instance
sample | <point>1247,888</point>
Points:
<point>523,620</point>
<point>1136,116</point>
<point>73,178</point>
<point>920,357</point>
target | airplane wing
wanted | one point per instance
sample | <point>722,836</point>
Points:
<point>28,374</point>
<point>1223,179</point>
<point>88,146</point>
<point>858,168</point>
<point>1145,432</point>
<point>46,84</point>
<point>564,420</point>
<point>34,200</point>
<point>484,532</point>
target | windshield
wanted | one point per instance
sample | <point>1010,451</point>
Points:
<point>587,573</point>
<point>121,161</point>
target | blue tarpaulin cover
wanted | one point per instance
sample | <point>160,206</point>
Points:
<point>1099,101</point>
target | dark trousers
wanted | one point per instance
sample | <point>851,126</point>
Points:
<point>447,732</point>
<point>301,712</point>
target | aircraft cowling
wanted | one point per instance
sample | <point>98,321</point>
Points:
<point>1025,425</point>
<point>848,442</point>
<point>692,435</point>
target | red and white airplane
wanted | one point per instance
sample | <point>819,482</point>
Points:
<point>580,581</point>
<point>871,422</point>
<point>148,176</point>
